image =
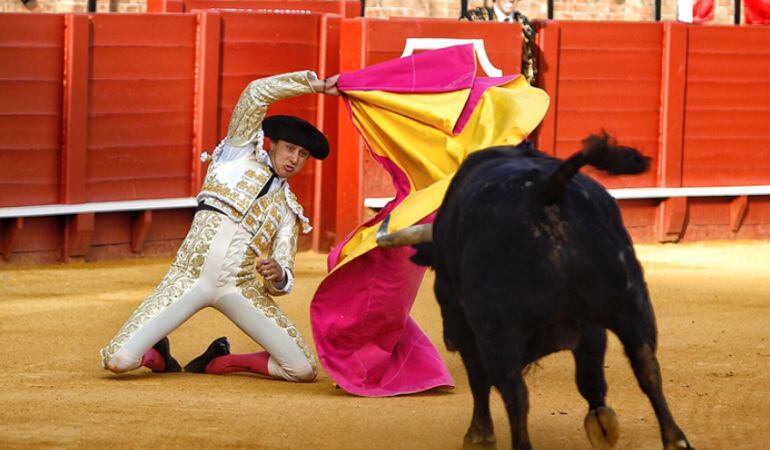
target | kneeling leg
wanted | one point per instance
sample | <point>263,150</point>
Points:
<point>288,355</point>
<point>141,339</point>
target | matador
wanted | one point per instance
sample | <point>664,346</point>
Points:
<point>505,11</point>
<point>241,246</point>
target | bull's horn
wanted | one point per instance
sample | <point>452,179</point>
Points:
<point>408,236</point>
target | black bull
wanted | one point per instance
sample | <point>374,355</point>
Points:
<point>532,257</point>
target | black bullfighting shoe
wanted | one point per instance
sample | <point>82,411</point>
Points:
<point>164,348</point>
<point>219,347</point>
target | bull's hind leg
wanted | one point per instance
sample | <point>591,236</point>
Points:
<point>601,423</point>
<point>459,336</point>
<point>647,372</point>
<point>481,431</point>
<point>500,348</point>
<point>516,398</point>
<point>636,330</point>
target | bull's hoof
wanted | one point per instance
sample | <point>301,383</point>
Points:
<point>602,427</point>
<point>479,437</point>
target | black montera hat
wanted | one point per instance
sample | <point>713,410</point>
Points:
<point>297,131</point>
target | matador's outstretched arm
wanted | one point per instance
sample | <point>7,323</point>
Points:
<point>246,120</point>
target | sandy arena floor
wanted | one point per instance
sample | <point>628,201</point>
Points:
<point>712,302</point>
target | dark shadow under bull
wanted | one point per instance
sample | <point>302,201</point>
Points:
<point>531,257</point>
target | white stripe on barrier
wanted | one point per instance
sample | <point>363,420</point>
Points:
<point>374,203</point>
<point>642,193</point>
<point>711,191</point>
<point>97,207</point>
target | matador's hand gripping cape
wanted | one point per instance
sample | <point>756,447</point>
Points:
<point>420,117</point>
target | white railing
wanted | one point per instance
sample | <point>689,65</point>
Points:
<point>642,193</point>
<point>374,202</point>
<point>97,207</point>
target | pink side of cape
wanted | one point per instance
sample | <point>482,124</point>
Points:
<point>364,336</point>
<point>443,70</point>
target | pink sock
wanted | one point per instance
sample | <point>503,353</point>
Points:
<point>252,362</point>
<point>153,360</point>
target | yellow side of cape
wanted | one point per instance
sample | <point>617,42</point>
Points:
<point>414,131</point>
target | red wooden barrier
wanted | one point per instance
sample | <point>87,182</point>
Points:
<point>145,95</point>
<point>31,80</point>
<point>727,107</point>
<point>118,107</point>
<point>609,76</point>
<point>701,118</point>
<point>726,139</point>
<point>31,70</point>
<point>141,106</point>
<point>129,114</point>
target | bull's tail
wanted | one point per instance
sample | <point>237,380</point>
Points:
<point>601,152</point>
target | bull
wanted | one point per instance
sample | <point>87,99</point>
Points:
<point>531,257</point>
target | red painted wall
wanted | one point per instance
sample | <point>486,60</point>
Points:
<point>140,111</point>
<point>119,107</point>
<point>31,71</point>
<point>726,131</point>
<point>610,78</point>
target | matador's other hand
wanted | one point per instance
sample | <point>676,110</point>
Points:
<point>271,270</point>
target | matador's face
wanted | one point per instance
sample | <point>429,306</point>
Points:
<point>288,159</point>
<point>507,6</point>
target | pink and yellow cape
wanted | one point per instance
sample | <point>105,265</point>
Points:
<point>420,117</point>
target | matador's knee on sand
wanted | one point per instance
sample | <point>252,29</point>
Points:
<point>121,363</point>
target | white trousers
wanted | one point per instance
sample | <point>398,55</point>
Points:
<point>214,267</point>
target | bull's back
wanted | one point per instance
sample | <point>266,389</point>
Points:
<point>561,254</point>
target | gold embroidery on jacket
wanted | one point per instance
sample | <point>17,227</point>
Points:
<point>251,188</point>
<point>241,195</point>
